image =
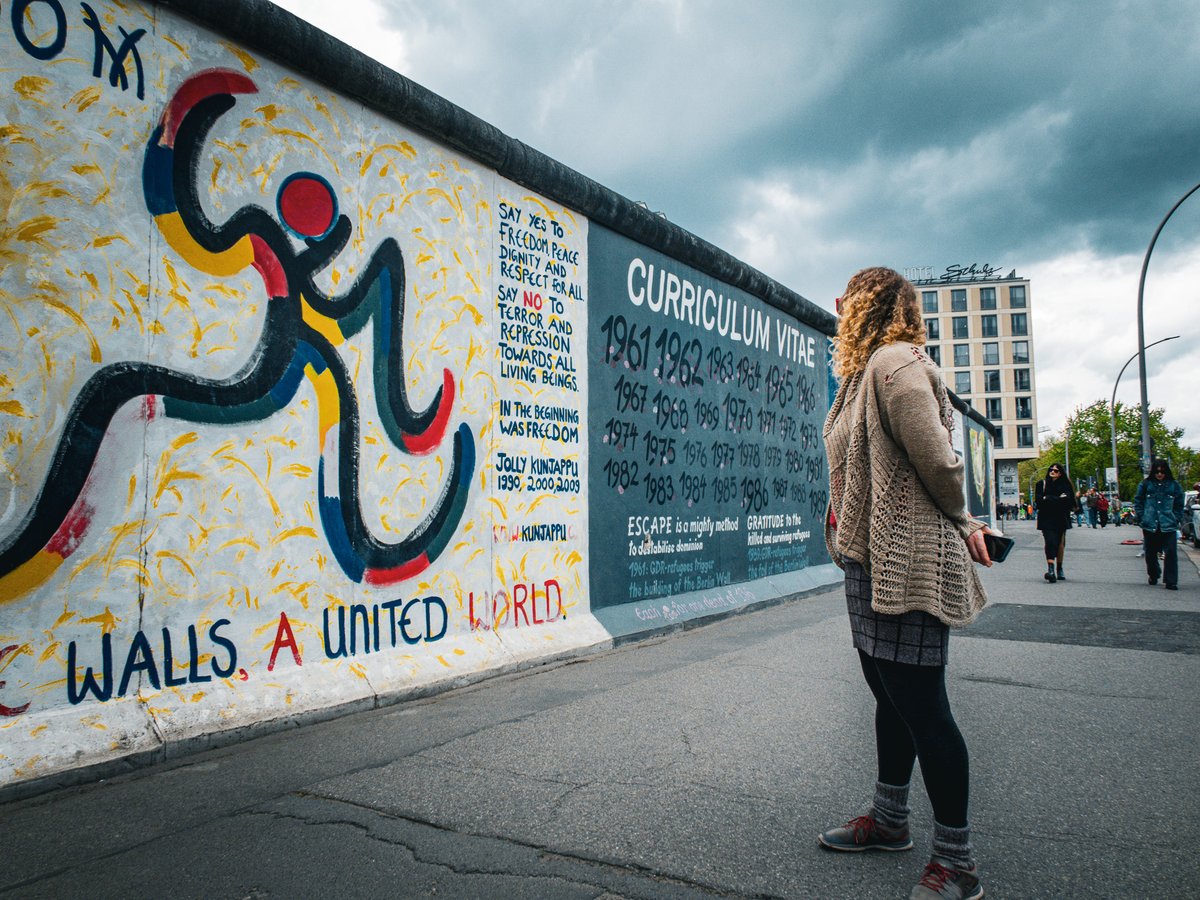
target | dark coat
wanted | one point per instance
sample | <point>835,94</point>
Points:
<point>1055,503</point>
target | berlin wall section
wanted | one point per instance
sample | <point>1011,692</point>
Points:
<point>308,406</point>
<point>707,468</point>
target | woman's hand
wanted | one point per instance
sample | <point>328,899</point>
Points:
<point>977,547</point>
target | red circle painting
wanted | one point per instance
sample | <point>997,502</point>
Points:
<point>307,205</point>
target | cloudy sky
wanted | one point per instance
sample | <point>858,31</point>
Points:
<point>812,139</point>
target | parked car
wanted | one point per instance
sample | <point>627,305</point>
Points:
<point>1189,525</point>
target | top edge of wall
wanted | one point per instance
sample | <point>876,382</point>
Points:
<point>288,39</point>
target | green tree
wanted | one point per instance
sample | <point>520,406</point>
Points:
<point>1089,429</point>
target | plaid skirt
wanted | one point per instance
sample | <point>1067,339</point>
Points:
<point>915,637</point>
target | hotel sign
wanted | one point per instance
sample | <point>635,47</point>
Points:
<point>956,273</point>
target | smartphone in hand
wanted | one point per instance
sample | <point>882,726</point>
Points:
<point>998,546</point>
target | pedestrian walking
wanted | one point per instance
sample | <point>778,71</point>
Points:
<point>1080,506</point>
<point>909,575</point>
<point>1159,506</point>
<point>1102,509</point>
<point>1055,503</point>
<point>1092,508</point>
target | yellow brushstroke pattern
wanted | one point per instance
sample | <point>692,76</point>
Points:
<point>84,98</point>
<point>170,554</point>
<point>249,63</point>
<point>106,620</point>
<point>31,86</point>
<point>299,531</point>
<point>31,230</point>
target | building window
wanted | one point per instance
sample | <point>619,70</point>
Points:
<point>991,354</point>
<point>962,354</point>
<point>1020,323</point>
<point>987,298</point>
<point>962,382</point>
<point>989,326</point>
<point>1020,351</point>
<point>1024,435</point>
<point>933,330</point>
<point>959,324</point>
<point>929,301</point>
<point>1024,407</point>
<point>999,445</point>
<point>1021,380</point>
<point>958,300</point>
<point>991,381</point>
<point>934,352</point>
<point>995,408</point>
<point>1016,296</point>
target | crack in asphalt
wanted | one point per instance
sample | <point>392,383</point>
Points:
<point>621,868</point>
<point>1012,682</point>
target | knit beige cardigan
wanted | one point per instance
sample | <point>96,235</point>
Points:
<point>896,488</point>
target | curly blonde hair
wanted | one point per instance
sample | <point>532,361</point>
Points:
<point>879,306</point>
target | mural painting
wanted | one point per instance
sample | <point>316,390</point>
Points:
<point>252,377</point>
<point>303,411</point>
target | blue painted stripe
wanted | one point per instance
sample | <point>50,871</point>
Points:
<point>335,530</point>
<point>156,176</point>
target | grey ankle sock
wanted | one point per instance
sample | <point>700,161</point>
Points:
<point>890,805</point>
<point>953,845</point>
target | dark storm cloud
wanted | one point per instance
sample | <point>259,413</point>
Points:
<point>813,138</point>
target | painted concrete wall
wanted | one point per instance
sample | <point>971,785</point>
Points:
<point>294,400</point>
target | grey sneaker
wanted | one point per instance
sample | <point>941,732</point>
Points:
<point>864,833</point>
<point>942,882</point>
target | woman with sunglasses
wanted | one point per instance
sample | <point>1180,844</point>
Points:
<point>1055,504</point>
<point>1159,508</point>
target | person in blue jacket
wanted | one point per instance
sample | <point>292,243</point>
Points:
<point>1159,507</point>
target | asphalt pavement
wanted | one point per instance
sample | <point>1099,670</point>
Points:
<point>696,764</point>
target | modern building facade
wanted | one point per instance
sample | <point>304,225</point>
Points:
<point>980,331</point>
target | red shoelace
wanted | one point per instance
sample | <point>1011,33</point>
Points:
<point>863,827</point>
<point>936,875</point>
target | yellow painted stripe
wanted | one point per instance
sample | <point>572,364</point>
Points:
<point>25,578</point>
<point>327,399</point>
<point>230,262</point>
<point>322,325</point>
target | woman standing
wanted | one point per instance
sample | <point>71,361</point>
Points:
<point>1055,502</point>
<point>1159,507</point>
<point>908,569</point>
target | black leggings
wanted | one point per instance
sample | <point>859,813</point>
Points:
<point>913,721</point>
<point>1052,541</point>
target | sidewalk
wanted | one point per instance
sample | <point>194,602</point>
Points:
<point>696,765</point>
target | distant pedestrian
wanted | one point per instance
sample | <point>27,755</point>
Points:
<point>908,569</point>
<point>1102,509</point>
<point>1114,510</point>
<point>1092,509</point>
<point>1159,507</point>
<point>1055,502</point>
<point>1080,506</point>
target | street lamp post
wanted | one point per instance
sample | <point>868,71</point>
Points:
<point>1146,448</point>
<point>1112,406</point>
